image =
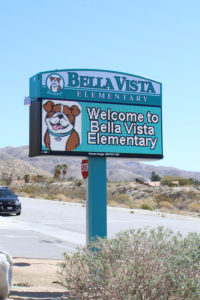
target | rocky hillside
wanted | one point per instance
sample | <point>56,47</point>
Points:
<point>17,161</point>
<point>163,198</point>
<point>10,166</point>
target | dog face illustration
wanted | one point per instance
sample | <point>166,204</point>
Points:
<point>60,121</point>
<point>55,83</point>
<point>60,118</point>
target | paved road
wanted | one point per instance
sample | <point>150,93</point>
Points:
<point>46,228</point>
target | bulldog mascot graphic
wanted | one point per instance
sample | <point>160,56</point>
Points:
<point>60,120</point>
<point>55,83</point>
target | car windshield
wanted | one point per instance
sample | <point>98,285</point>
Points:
<point>6,193</point>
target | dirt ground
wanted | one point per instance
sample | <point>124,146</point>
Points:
<point>35,279</point>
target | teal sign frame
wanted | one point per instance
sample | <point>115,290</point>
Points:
<point>118,114</point>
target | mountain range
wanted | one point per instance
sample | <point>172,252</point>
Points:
<point>16,161</point>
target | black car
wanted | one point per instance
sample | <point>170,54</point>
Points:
<point>9,202</point>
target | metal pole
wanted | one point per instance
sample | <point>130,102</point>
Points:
<point>97,198</point>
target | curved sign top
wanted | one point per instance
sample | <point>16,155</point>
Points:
<point>95,113</point>
<point>96,86</point>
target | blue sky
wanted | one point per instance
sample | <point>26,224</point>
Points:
<point>156,39</point>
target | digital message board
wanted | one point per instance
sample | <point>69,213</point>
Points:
<point>95,113</point>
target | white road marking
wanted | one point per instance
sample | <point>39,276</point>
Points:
<point>17,236</point>
<point>65,235</point>
<point>62,223</point>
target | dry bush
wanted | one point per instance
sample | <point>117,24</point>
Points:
<point>149,201</point>
<point>166,204</point>
<point>62,197</point>
<point>39,196</point>
<point>194,206</point>
<point>136,265</point>
<point>32,196</point>
<point>119,198</point>
<point>54,190</point>
<point>162,197</point>
<point>146,206</point>
<point>181,205</point>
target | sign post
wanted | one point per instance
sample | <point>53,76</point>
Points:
<point>97,198</point>
<point>97,114</point>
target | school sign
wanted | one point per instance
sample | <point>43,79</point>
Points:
<point>95,113</point>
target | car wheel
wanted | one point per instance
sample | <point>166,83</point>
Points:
<point>18,213</point>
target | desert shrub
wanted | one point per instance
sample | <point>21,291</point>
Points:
<point>194,207</point>
<point>32,196</point>
<point>186,181</point>
<point>120,198</point>
<point>135,265</point>
<point>6,179</point>
<point>155,177</point>
<point>78,182</point>
<point>52,190</point>
<point>162,197</point>
<point>61,197</point>
<point>166,204</point>
<point>78,191</point>
<point>38,178</point>
<point>146,206</point>
<point>26,178</point>
<point>172,181</point>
